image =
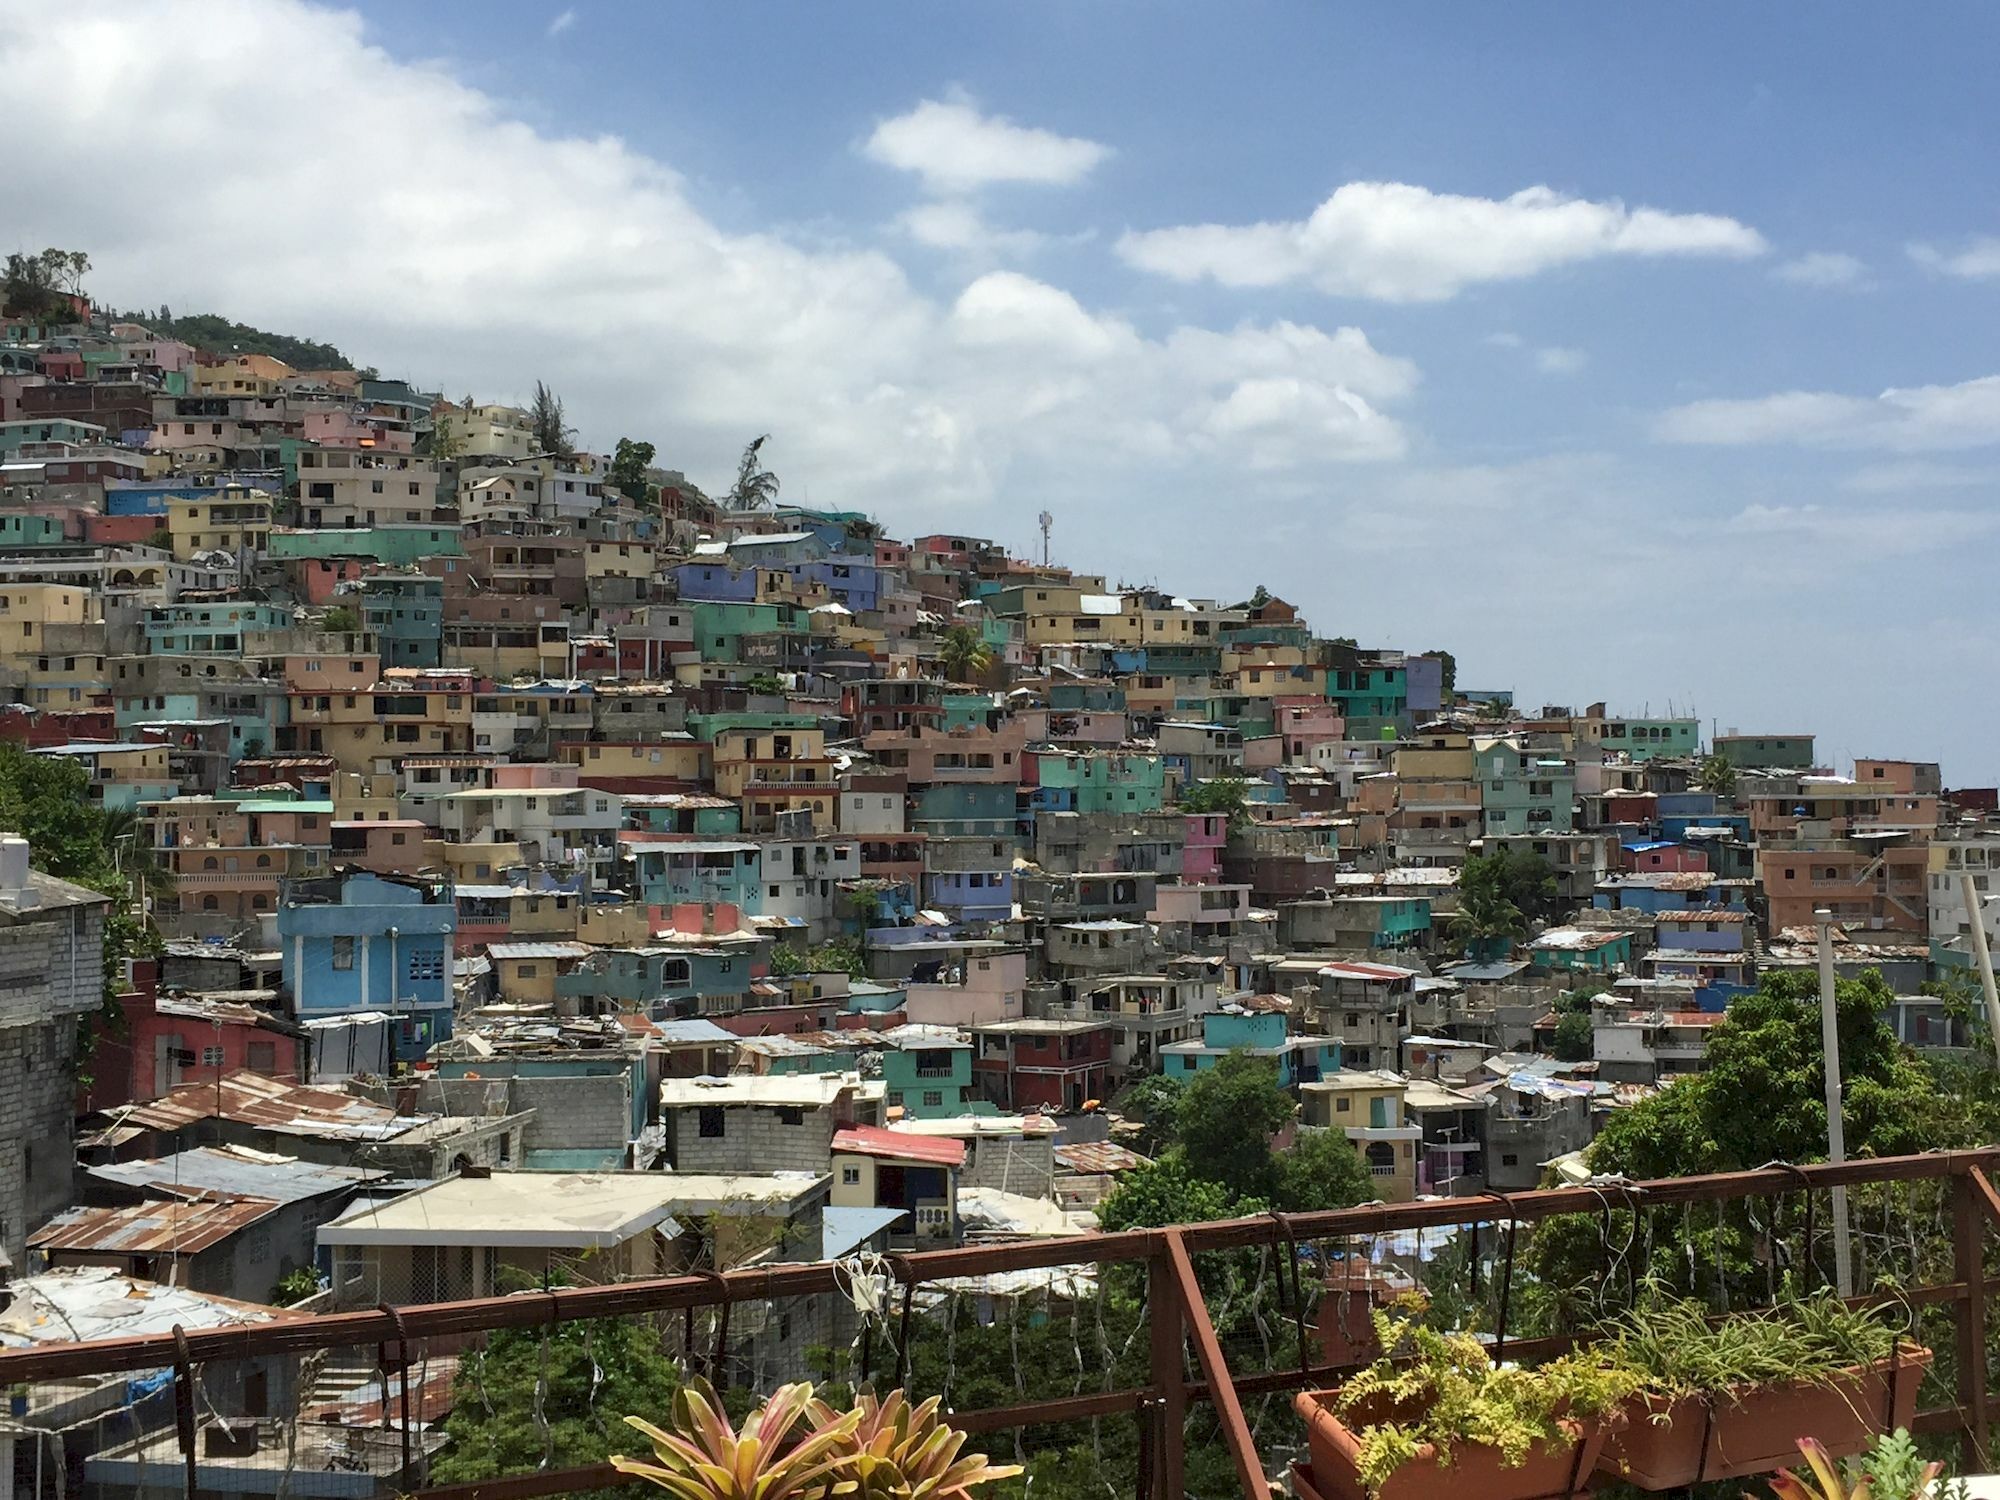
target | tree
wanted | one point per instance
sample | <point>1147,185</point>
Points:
<point>1515,876</point>
<point>445,444</point>
<point>31,286</point>
<point>590,1375</point>
<point>1219,794</point>
<point>764,682</point>
<point>1323,1170</point>
<point>553,434</point>
<point>964,654</point>
<point>1226,1119</point>
<point>1154,1102</point>
<point>1762,1095</point>
<point>340,620</point>
<point>1167,1192</point>
<point>1448,666</point>
<point>1716,773</point>
<point>1574,1039</point>
<point>756,487</point>
<point>627,473</point>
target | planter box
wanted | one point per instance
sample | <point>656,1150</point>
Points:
<point>1475,1471</point>
<point>1661,1446</point>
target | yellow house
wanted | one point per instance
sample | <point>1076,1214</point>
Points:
<point>1368,1107</point>
<point>619,560</point>
<point>474,864</point>
<point>679,760</point>
<point>27,610</point>
<point>237,520</point>
<point>526,972</point>
<point>242,375</point>
<point>1443,756</point>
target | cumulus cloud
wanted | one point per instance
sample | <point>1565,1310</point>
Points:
<point>563,21</point>
<point>955,148</point>
<point>615,287</point>
<point>1832,270</point>
<point>1396,242</point>
<point>1560,361</point>
<point>1912,420</point>
<point>953,224</point>
<point>1976,260</point>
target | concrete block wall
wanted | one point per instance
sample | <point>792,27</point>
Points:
<point>37,1129</point>
<point>753,1139</point>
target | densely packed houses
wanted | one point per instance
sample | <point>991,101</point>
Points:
<point>514,809</point>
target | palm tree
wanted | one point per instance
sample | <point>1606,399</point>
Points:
<point>1716,773</point>
<point>130,843</point>
<point>755,487</point>
<point>1482,920</point>
<point>964,654</point>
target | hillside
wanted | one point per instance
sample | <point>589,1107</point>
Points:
<point>217,335</point>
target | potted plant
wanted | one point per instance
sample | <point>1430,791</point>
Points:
<point>1723,1398</point>
<point>797,1447</point>
<point>1435,1413</point>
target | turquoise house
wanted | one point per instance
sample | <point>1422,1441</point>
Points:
<point>393,546</point>
<point>1580,950</point>
<point>1261,1033</point>
<point>928,1070</point>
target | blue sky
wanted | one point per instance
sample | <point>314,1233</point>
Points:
<point>1623,438</point>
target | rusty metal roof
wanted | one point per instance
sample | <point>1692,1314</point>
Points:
<point>157,1227</point>
<point>1099,1157</point>
<point>252,1099</point>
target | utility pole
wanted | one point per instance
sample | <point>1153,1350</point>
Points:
<point>1836,1130</point>
<point>1982,958</point>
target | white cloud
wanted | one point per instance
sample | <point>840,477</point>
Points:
<point>1976,260</point>
<point>1829,269</point>
<point>563,21</point>
<point>954,147</point>
<point>953,224</point>
<point>1901,475</point>
<point>1560,361</point>
<point>1397,242</point>
<point>1914,420</point>
<point>1859,537</point>
<point>652,321</point>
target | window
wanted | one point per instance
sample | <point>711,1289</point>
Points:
<point>524,971</point>
<point>263,1057</point>
<point>343,953</point>
<point>933,1099</point>
<point>1508,1159</point>
<point>850,1176</point>
<point>709,1122</point>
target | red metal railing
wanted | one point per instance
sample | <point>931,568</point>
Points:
<point>1176,1311</point>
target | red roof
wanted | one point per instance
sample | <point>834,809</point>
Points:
<point>900,1145</point>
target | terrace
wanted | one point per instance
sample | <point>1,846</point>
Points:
<point>1198,1403</point>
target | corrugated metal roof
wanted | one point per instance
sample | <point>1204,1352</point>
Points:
<point>1098,1157</point>
<point>252,1099</point>
<point>156,1227</point>
<point>236,1173</point>
<point>506,951</point>
<point>871,1140</point>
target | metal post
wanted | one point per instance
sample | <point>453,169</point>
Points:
<point>1836,1130</point>
<point>1169,1348</point>
<point>1983,958</point>
<point>1968,1244</point>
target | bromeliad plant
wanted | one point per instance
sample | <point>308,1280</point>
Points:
<point>1456,1396</point>
<point>902,1452</point>
<point>768,1458</point>
<point>797,1447</point>
<point>1891,1470</point>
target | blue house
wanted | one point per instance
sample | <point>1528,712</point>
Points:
<point>1261,1033</point>
<point>720,870</point>
<point>364,942</point>
<point>854,581</point>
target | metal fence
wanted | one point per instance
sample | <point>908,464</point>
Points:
<point>1179,1384</point>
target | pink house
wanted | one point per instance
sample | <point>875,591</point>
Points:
<point>1201,859</point>
<point>978,990</point>
<point>341,428</point>
<point>1676,859</point>
<point>1303,723</point>
<point>166,1042</point>
<point>320,578</point>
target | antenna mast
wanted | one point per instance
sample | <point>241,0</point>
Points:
<point>1046,521</point>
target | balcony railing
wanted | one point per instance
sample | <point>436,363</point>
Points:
<point>1945,1196</point>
